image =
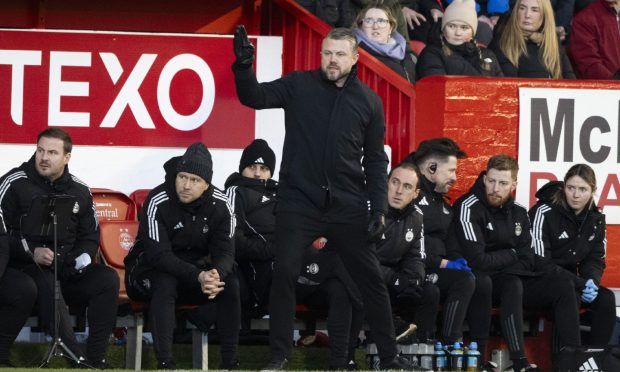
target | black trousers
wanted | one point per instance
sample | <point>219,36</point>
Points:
<point>333,295</point>
<point>456,288</point>
<point>512,293</point>
<point>294,233</point>
<point>423,309</point>
<point>603,315</point>
<point>225,311</point>
<point>96,289</point>
<point>18,293</point>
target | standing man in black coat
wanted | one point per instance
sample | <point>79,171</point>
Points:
<point>437,161</point>
<point>185,254</point>
<point>82,281</point>
<point>333,164</point>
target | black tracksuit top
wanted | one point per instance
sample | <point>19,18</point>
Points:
<point>572,246</point>
<point>493,239</point>
<point>328,132</point>
<point>437,221</point>
<point>17,189</point>
<point>183,239</point>
<point>253,202</point>
<point>401,247</point>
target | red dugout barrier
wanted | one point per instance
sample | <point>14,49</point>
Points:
<point>303,32</point>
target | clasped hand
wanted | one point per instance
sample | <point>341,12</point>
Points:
<point>210,283</point>
<point>589,292</point>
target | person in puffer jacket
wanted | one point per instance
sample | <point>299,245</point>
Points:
<point>568,233</point>
<point>252,195</point>
<point>401,253</point>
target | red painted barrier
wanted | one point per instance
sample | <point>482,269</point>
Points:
<point>303,32</point>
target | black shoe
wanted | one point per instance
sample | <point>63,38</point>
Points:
<point>399,363</point>
<point>350,366</point>
<point>276,365</point>
<point>166,365</point>
<point>530,368</point>
<point>489,366</point>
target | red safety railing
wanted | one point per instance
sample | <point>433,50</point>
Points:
<point>302,34</point>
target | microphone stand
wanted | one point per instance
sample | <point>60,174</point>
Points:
<point>58,348</point>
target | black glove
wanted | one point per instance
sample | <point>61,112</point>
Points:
<point>617,75</point>
<point>376,226</point>
<point>402,285</point>
<point>243,48</point>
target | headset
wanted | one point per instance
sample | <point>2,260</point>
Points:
<point>432,168</point>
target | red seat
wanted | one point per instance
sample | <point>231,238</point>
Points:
<point>138,197</point>
<point>113,205</point>
<point>417,46</point>
<point>116,239</point>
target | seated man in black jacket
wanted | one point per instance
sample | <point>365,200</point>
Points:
<point>252,195</point>
<point>493,233</point>
<point>83,282</point>
<point>185,254</point>
<point>401,253</point>
<point>437,161</point>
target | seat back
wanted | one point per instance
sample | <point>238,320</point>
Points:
<point>138,197</point>
<point>116,239</point>
<point>113,205</point>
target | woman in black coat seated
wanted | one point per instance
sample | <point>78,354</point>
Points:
<point>528,45</point>
<point>456,52</point>
<point>376,33</point>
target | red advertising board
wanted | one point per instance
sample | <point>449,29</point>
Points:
<point>125,89</point>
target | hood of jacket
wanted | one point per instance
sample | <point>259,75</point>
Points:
<point>236,179</point>
<point>60,185</point>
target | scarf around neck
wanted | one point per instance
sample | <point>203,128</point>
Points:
<point>395,50</point>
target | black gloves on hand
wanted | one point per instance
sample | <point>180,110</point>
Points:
<point>404,286</point>
<point>376,226</point>
<point>243,48</point>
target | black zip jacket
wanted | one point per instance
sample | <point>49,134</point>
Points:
<point>18,188</point>
<point>253,202</point>
<point>328,132</point>
<point>530,64</point>
<point>404,67</point>
<point>493,239</point>
<point>183,239</point>
<point>465,59</point>
<point>437,220</point>
<point>401,248</point>
<point>570,245</point>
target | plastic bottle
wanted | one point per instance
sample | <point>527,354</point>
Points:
<point>426,357</point>
<point>456,356</point>
<point>372,357</point>
<point>440,358</point>
<point>472,357</point>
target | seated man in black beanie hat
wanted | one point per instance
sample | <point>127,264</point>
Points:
<point>252,194</point>
<point>184,254</point>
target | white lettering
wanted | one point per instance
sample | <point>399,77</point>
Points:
<point>200,67</point>
<point>59,88</point>
<point>18,59</point>
<point>129,95</point>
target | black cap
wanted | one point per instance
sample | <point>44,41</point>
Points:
<point>197,160</point>
<point>258,152</point>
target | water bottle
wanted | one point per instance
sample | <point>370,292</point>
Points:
<point>440,358</point>
<point>372,357</point>
<point>426,357</point>
<point>456,355</point>
<point>472,356</point>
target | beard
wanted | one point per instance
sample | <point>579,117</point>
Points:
<point>496,200</point>
<point>334,74</point>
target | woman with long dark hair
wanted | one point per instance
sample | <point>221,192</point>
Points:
<point>568,233</point>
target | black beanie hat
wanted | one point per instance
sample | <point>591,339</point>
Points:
<point>258,152</point>
<point>197,160</point>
